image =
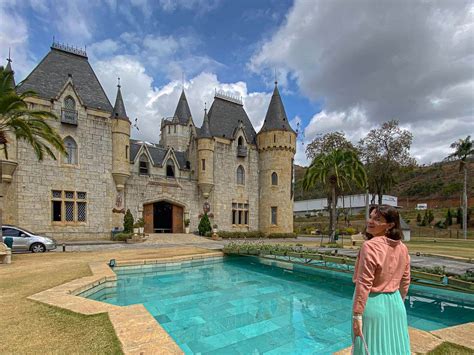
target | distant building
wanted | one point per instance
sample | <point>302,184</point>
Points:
<point>353,203</point>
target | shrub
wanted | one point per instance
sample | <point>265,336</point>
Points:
<point>418,218</point>
<point>281,235</point>
<point>351,231</point>
<point>449,218</point>
<point>123,236</point>
<point>128,222</point>
<point>440,224</point>
<point>204,225</point>
<point>187,221</point>
<point>241,235</point>
<point>459,216</point>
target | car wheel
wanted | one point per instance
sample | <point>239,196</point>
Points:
<point>38,248</point>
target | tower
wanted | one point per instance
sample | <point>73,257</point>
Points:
<point>276,143</point>
<point>120,142</point>
<point>175,130</point>
<point>205,146</point>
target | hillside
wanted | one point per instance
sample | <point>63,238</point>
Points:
<point>436,183</point>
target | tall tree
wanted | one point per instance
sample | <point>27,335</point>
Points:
<point>335,169</point>
<point>463,150</point>
<point>17,120</point>
<point>385,151</point>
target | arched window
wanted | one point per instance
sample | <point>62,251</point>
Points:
<point>169,168</point>
<point>69,114</point>
<point>71,149</point>
<point>69,103</point>
<point>274,178</point>
<point>143,165</point>
<point>240,175</point>
<point>240,141</point>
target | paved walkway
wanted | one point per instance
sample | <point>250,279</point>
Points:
<point>166,240</point>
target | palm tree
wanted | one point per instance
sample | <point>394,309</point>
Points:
<point>17,120</point>
<point>335,169</point>
<point>463,151</point>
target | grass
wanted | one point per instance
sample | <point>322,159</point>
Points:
<point>446,247</point>
<point>450,349</point>
<point>29,327</point>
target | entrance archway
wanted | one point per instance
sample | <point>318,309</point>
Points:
<point>163,217</point>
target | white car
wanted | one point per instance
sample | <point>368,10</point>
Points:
<point>24,240</point>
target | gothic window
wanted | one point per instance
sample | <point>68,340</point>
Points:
<point>274,178</point>
<point>68,112</point>
<point>169,168</point>
<point>240,141</point>
<point>71,149</point>
<point>240,175</point>
<point>274,215</point>
<point>143,165</point>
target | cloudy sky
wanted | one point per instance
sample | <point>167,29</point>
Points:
<point>341,65</point>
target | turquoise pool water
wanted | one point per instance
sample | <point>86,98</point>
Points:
<point>241,307</point>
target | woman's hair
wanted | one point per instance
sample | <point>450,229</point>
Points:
<point>390,214</point>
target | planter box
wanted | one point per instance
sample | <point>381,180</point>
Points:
<point>465,285</point>
<point>417,275</point>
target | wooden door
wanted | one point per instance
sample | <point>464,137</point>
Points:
<point>177,219</point>
<point>148,218</point>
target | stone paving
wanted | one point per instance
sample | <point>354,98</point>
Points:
<point>179,240</point>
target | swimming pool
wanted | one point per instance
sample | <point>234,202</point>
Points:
<point>239,305</point>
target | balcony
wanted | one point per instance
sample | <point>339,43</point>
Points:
<point>69,116</point>
<point>241,151</point>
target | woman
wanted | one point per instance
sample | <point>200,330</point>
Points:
<point>382,278</point>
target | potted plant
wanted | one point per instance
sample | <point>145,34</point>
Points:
<point>140,223</point>
<point>187,221</point>
<point>214,228</point>
<point>136,228</point>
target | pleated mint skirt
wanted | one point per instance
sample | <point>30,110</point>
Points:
<point>385,327</point>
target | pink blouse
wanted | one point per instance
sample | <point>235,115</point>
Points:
<point>383,266</point>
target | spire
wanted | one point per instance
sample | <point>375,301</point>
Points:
<point>276,116</point>
<point>119,107</point>
<point>8,68</point>
<point>182,109</point>
<point>205,131</point>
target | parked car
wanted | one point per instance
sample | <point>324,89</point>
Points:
<point>24,240</point>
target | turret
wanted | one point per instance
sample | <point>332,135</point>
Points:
<point>120,142</point>
<point>276,143</point>
<point>8,154</point>
<point>205,144</point>
<point>175,130</point>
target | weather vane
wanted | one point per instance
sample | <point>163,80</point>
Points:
<point>135,124</point>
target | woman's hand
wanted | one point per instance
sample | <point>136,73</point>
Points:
<point>357,327</point>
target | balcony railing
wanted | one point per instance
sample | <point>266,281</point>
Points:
<point>242,151</point>
<point>68,116</point>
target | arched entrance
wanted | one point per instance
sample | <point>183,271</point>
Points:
<point>163,217</point>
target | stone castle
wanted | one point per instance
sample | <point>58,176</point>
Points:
<point>241,178</point>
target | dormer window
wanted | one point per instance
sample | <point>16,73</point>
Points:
<point>143,165</point>
<point>241,148</point>
<point>170,168</point>
<point>240,141</point>
<point>69,112</point>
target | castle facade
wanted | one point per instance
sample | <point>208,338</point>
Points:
<point>241,178</point>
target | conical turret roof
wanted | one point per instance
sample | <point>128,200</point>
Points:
<point>119,107</point>
<point>205,131</point>
<point>276,119</point>
<point>182,109</point>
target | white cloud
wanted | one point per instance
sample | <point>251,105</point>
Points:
<point>399,60</point>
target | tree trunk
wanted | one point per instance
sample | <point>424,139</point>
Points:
<point>333,217</point>
<point>367,204</point>
<point>464,203</point>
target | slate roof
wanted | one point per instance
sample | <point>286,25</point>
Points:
<point>276,118</point>
<point>205,131</point>
<point>157,153</point>
<point>182,111</point>
<point>9,68</point>
<point>50,75</point>
<point>119,107</point>
<point>225,116</point>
